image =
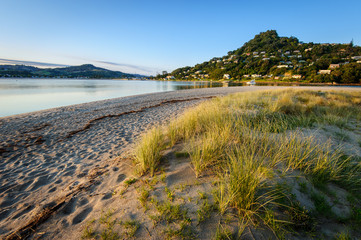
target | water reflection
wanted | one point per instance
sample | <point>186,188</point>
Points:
<point>27,95</point>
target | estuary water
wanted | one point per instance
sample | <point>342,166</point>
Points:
<point>28,95</point>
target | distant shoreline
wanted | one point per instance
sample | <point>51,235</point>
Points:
<point>210,81</point>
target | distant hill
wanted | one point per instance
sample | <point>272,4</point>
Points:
<point>271,57</point>
<point>82,71</point>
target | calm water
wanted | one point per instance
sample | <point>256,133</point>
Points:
<point>27,95</point>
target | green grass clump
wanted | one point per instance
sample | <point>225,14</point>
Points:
<point>205,211</point>
<point>184,231</point>
<point>321,205</point>
<point>206,150</point>
<point>242,181</point>
<point>131,227</point>
<point>147,152</point>
<point>343,236</point>
<point>224,233</point>
<point>143,197</point>
<point>88,232</point>
<point>170,194</point>
<point>129,182</point>
<point>171,212</point>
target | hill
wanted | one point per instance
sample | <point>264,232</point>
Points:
<point>82,71</point>
<point>269,56</point>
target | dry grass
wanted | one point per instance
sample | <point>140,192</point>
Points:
<point>245,140</point>
<point>148,151</point>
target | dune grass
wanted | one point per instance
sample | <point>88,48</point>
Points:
<point>246,140</point>
<point>148,151</point>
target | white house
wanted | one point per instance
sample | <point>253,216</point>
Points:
<point>324,72</point>
<point>256,75</point>
<point>226,76</point>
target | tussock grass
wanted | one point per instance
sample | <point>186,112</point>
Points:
<point>208,149</point>
<point>246,140</point>
<point>148,151</point>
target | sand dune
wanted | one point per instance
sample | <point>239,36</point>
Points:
<point>59,167</point>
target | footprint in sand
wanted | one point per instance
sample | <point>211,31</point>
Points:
<point>70,207</point>
<point>121,178</point>
<point>107,196</point>
<point>40,181</point>
<point>82,202</point>
<point>82,215</point>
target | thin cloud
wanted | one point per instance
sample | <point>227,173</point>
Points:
<point>144,69</point>
<point>31,63</point>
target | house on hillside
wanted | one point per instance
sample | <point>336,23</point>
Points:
<point>333,66</point>
<point>170,77</point>
<point>297,76</point>
<point>324,72</point>
<point>256,75</point>
<point>226,76</point>
<point>356,57</point>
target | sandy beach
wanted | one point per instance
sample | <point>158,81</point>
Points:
<point>59,167</point>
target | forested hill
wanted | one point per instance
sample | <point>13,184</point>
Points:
<point>271,57</point>
<point>82,71</point>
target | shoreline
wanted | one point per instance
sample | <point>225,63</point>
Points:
<point>48,155</point>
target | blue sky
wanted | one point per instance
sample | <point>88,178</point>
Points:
<point>150,36</point>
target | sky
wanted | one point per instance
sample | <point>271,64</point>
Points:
<point>149,36</point>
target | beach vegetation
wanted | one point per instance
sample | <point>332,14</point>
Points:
<point>131,227</point>
<point>147,153</point>
<point>263,152</point>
